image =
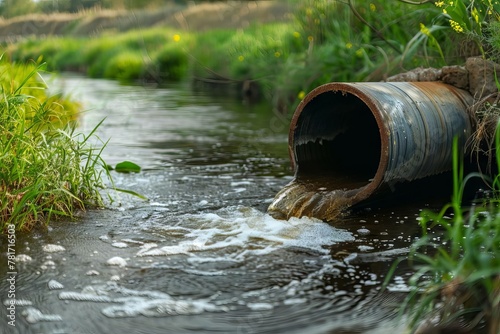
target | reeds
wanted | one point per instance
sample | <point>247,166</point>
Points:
<point>456,284</point>
<point>46,168</point>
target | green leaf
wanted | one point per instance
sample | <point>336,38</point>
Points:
<point>131,192</point>
<point>127,167</point>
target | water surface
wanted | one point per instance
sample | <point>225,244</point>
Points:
<point>201,255</point>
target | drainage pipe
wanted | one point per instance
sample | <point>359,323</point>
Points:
<point>348,141</point>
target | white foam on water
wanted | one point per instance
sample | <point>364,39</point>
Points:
<point>134,306</point>
<point>34,315</point>
<point>399,285</point>
<point>23,258</point>
<point>119,244</point>
<point>54,285</point>
<point>293,301</point>
<point>84,297</point>
<point>243,231</point>
<point>132,241</point>
<point>51,248</point>
<point>92,273</point>
<point>117,261</point>
<point>17,302</point>
<point>131,303</point>
<point>260,306</point>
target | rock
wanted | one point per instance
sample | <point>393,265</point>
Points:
<point>429,74</point>
<point>456,76</point>
<point>409,76</point>
<point>481,76</point>
<point>417,74</point>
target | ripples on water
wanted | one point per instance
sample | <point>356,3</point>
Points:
<point>201,255</point>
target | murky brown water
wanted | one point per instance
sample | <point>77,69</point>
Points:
<point>202,255</point>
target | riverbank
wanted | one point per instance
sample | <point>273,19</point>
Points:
<point>201,17</point>
<point>47,169</point>
<point>276,51</point>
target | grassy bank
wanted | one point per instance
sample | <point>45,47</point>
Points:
<point>456,279</point>
<point>311,43</point>
<point>46,169</point>
<point>456,284</point>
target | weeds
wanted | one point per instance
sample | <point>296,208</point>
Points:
<point>324,41</point>
<point>46,168</point>
<point>456,284</point>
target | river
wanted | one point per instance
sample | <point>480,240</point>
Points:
<point>201,255</point>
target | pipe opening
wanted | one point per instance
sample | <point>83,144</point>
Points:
<point>337,136</point>
<point>349,141</point>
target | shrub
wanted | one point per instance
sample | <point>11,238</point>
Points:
<point>125,67</point>
<point>171,63</point>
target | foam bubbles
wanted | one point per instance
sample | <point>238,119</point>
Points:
<point>119,244</point>
<point>130,303</point>
<point>34,315</point>
<point>243,231</point>
<point>17,302</point>
<point>54,285</point>
<point>117,261</point>
<point>84,297</point>
<point>23,258</point>
<point>132,307</point>
<point>51,248</point>
<point>260,306</point>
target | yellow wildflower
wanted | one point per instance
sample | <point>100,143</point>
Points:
<point>348,45</point>
<point>296,34</point>
<point>373,7</point>
<point>424,30</point>
<point>277,54</point>
<point>475,15</point>
<point>456,26</point>
<point>359,53</point>
<point>241,58</point>
<point>177,37</point>
<point>439,3</point>
<point>301,95</point>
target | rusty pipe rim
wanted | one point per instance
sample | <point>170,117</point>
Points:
<point>375,108</point>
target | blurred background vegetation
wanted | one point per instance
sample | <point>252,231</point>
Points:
<point>271,50</point>
<point>11,8</point>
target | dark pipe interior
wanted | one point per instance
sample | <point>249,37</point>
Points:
<point>337,135</point>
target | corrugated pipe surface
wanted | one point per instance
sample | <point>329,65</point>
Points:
<point>348,140</point>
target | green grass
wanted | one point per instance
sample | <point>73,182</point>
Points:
<point>456,263</point>
<point>456,280</point>
<point>46,168</point>
<point>325,41</point>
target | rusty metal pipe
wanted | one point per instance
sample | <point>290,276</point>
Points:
<point>349,140</point>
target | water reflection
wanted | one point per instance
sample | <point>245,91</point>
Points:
<point>201,255</point>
